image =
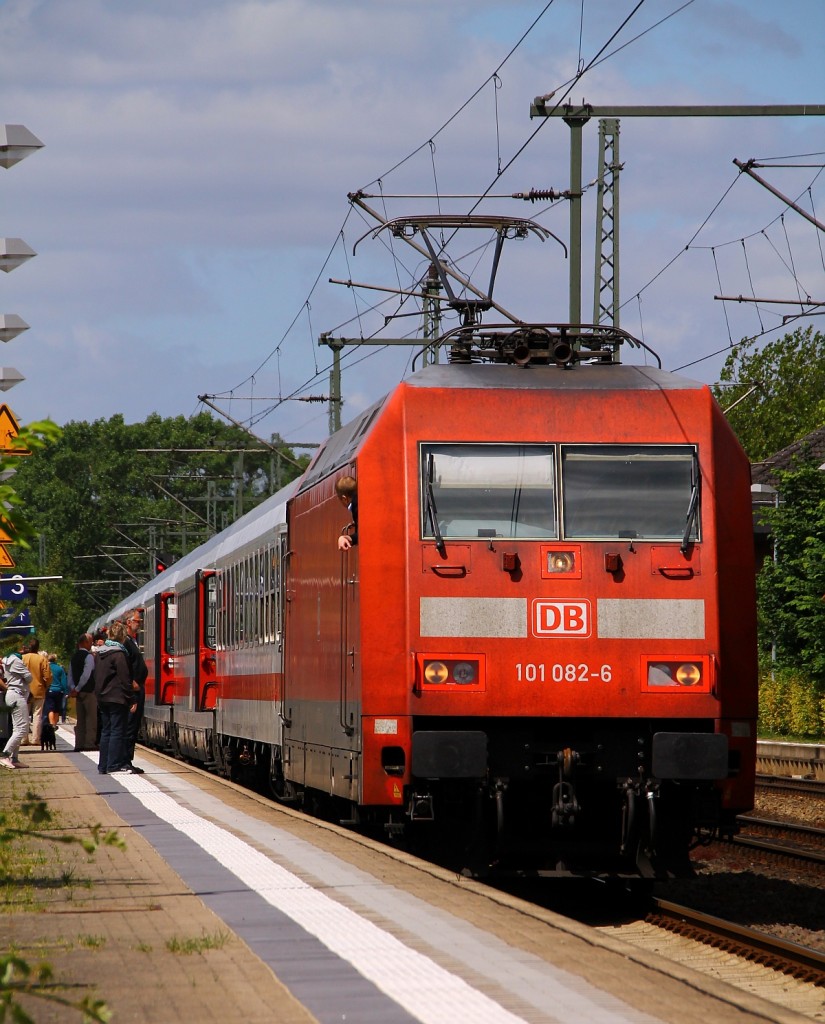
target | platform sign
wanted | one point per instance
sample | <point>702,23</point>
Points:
<point>9,430</point>
<point>6,561</point>
<point>12,588</point>
<point>20,622</point>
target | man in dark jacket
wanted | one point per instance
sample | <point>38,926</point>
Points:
<point>115,696</point>
<point>139,671</point>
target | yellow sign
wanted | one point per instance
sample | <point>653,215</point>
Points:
<point>6,561</point>
<point>8,433</point>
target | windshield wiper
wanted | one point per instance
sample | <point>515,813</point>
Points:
<point>432,511</point>
<point>693,504</point>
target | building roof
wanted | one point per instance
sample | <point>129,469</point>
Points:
<point>811,445</point>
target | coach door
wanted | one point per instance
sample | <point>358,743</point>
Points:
<point>205,611</point>
<point>165,650</point>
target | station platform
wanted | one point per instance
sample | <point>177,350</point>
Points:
<point>226,906</point>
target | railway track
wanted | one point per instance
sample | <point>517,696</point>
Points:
<point>781,838</point>
<point>787,784</point>
<point>748,943</point>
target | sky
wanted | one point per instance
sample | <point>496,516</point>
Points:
<point>190,203</point>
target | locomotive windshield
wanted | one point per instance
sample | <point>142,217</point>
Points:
<point>476,491</point>
<point>647,492</point>
<point>496,490</point>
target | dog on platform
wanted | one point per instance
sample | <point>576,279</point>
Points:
<point>48,737</point>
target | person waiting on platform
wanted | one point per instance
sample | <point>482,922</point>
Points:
<point>347,493</point>
<point>58,692</point>
<point>139,670</point>
<point>41,673</point>
<point>82,683</point>
<point>115,698</point>
<point>15,697</point>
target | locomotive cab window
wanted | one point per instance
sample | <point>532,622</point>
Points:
<point>644,492</point>
<point>477,491</point>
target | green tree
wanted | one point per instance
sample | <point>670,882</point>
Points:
<point>109,495</point>
<point>789,401</point>
<point>14,520</point>
<point>792,586</point>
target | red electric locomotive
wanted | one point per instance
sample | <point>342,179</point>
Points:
<point>539,651</point>
<point>543,641</point>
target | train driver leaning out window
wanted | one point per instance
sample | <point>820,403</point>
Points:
<point>346,491</point>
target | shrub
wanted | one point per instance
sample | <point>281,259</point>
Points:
<point>790,703</point>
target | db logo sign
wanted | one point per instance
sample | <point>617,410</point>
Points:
<point>561,618</point>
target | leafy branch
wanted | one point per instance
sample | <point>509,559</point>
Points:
<point>33,437</point>
<point>36,811</point>
<point>18,978</point>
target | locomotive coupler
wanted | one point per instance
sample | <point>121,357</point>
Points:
<point>565,804</point>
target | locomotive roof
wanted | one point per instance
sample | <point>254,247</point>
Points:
<point>343,445</point>
<point>584,376</point>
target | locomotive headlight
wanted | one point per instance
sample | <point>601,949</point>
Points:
<point>688,675</point>
<point>561,561</point>
<point>436,672</point>
<point>662,675</point>
<point>449,672</point>
<point>464,673</point>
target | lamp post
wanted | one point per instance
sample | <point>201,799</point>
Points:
<point>13,252</point>
<point>9,376</point>
<point>11,325</point>
<point>16,143</point>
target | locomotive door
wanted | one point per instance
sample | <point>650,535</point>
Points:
<point>347,707</point>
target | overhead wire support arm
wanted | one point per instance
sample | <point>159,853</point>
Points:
<point>131,575</point>
<point>182,504</point>
<point>747,168</point>
<point>349,283</point>
<point>246,430</point>
<point>778,302</point>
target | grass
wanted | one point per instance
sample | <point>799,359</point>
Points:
<point>217,940</point>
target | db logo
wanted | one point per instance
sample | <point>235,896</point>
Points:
<point>561,618</point>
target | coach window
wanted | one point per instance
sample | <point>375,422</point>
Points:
<point>237,599</point>
<point>170,619</point>
<point>210,599</point>
<point>640,492</point>
<point>474,491</point>
<point>186,629</point>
